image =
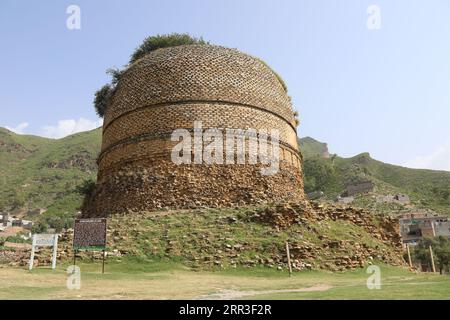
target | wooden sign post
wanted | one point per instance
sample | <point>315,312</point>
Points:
<point>103,261</point>
<point>44,240</point>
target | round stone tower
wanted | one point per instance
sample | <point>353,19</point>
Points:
<point>179,88</point>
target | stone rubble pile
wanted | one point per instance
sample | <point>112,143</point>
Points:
<point>337,254</point>
<point>284,215</point>
<point>213,240</point>
<point>14,258</point>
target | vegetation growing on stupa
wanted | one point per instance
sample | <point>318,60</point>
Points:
<point>105,93</point>
<point>164,41</point>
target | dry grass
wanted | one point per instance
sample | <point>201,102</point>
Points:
<point>175,282</point>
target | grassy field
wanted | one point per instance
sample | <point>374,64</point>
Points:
<point>164,280</point>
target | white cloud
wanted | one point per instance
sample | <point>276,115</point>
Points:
<point>438,160</point>
<point>19,129</point>
<point>70,126</point>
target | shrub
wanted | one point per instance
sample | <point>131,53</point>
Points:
<point>86,188</point>
<point>103,96</point>
<point>102,99</point>
<point>164,41</point>
<point>16,239</point>
<point>317,173</point>
<point>58,221</point>
<point>39,226</point>
<point>115,74</point>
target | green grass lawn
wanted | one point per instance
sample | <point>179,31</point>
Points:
<point>133,279</point>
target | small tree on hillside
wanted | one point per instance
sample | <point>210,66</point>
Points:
<point>441,252</point>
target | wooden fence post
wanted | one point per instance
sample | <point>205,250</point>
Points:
<point>409,255</point>
<point>289,259</point>
<point>432,260</point>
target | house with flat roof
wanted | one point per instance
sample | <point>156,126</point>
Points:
<point>415,228</point>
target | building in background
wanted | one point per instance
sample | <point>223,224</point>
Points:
<point>418,226</point>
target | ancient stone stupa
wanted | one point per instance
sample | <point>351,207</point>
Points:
<point>193,88</point>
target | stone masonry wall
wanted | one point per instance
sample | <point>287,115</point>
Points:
<point>147,185</point>
<point>169,89</point>
<point>199,73</point>
<point>166,118</point>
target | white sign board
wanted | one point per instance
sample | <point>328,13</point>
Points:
<point>44,240</point>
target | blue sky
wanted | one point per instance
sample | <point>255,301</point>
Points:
<point>385,91</point>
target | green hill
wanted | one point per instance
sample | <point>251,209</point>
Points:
<point>312,148</point>
<point>37,172</point>
<point>427,188</point>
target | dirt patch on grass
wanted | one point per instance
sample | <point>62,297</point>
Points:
<point>11,231</point>
<point>235,294</point>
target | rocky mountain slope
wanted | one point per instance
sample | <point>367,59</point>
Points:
<point>331,175</point>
